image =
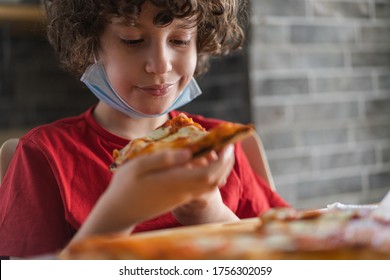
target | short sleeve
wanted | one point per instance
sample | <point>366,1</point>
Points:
<point>32,220</point>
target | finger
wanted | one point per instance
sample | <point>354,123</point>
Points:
<point>227,150</point>
<point>197,162</point>
<point>160,160</point>
<point>224,176</point>
<point>222,167</point>
<point>209,176</point>
<point>228,155</point>
<point>181,182</point>
<point>190,182</point>
<point>212,156</point>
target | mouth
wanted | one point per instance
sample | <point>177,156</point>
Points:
<point>157,90</point>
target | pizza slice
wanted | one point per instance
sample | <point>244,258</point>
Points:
<point>182,132</point>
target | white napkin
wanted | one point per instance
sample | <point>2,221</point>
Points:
<point>339,205</point>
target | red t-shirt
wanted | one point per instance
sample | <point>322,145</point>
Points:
<point>59,171</point>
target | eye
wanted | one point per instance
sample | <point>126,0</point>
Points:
<point>183,43</point>
<point>132,42</point>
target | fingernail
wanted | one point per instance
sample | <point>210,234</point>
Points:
<point>229,150</point>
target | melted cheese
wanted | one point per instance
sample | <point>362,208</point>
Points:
<point>158,134</point>
<point>191,132</point>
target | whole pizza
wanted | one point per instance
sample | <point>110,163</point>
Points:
<point>282,233</point>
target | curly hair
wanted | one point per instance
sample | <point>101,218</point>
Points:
<point>74,26</point>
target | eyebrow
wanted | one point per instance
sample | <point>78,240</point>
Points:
<point>184,24</point>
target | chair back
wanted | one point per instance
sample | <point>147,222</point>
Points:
<point>255,153</point>
<point>7,150</point>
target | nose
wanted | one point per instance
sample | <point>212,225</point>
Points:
<point>158,60</point>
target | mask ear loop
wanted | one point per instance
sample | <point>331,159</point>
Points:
<point>94,56</point>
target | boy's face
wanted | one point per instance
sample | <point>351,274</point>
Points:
<point>148,65</point>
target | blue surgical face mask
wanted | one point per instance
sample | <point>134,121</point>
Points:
<point>96,80</point>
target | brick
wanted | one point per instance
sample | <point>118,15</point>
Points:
<point>277,139</point>
<point>325,111</point>
<point>270,60</point>
<point>378,107</point>
<point>231,110</point>
<point>298,60</point>
<point>370,59</point>
<point>269,34</point>
<point>318,60</point>
<point>290,165</point>
<point>343,83</point>
<point>321,136</point>
<point>356,157</point>
<point>375,35</point>
<point>384,82</point>
<point>367,132</point>
<point>282,8</point>
<point>346,198</point>
<point>382,10</point>
<point>379,180</point>
<point>286,190</point>
<point>317,34</point>
<point>281,86</point>
<point>386,155</point>
<point>270,114</point>
<point>340,9</point>
<point>317,188</point>
<point>374,196</point>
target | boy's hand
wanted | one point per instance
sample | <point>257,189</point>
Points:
<point>208,207</point>
<point>151,185</point>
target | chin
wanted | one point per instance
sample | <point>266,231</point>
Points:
<point>154,108</point>
<point>150,111</point>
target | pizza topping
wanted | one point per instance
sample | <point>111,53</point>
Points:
<point>192,132</point>
<point>326,231</point>
<point>180,121</point>
<point>281,242</point>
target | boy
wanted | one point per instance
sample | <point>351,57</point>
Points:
<point>139,59</point>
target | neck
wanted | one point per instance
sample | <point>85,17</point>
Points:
<point>122,125</point>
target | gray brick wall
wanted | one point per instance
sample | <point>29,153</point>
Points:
<point>320,92</point>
